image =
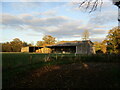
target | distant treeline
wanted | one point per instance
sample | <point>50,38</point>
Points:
<point>17,44</point>
<point>14,46</point>
<point>110,45</point>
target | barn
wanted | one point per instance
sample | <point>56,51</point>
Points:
<point>30,48</point>
<point>78,47</point>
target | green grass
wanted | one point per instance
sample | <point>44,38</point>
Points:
<point>19,64</point>
<point>13,60</point>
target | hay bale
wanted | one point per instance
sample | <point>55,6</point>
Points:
<point>37,51</point>
<point>46,50</point>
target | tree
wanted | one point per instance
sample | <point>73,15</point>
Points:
<point>48,39</point>
<point>94,4</point>
<point>113,40</point>
<point>24,44</point>
<point>40,43</point>
<point>6,47</point>
<point>13,46</point>
<point>0,47</point>
<point>16,45</point>
<point>100,47</point>
<point>85,35</point>
<point>117,3</point>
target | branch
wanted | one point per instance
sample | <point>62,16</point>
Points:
<point>88,3</point>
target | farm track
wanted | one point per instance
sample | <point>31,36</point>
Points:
<point>76,75</point>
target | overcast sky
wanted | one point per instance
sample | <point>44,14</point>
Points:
<point>30,21</point>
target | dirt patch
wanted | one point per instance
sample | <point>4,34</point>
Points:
<point>80,75</point>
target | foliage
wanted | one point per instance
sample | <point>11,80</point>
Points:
<point>100,47</point>
<point>13,46</point>
<point>40,43</point>
<point>47,40</point>
<point>113,40</point>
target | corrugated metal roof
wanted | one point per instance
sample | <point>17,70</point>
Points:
<point>75,43</point>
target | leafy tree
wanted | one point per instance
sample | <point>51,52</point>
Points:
<point>40,43</point>
<point>24,44</point>
<point>113,40</point>
<point>0,47</point>
<point>13,46</point>
<point>48,39</point>
<point>6,47</point>
<point>16,45</point>
<point>100,47</point>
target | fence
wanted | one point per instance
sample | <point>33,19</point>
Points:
<point>13,60</point>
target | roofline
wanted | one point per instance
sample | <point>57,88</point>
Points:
<point>32,46</point>
<point>63,46</point>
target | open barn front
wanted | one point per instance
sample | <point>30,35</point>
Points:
<point>78,47</point>
<point>33,49</point>
<point>63,49</point>
<point>30,49</point>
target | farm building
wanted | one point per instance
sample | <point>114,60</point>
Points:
<point>30,49</point>
<point>78,47</point>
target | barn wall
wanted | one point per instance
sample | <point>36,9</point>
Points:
<point>84,49</point>
<point>25,49</point>
<point>93,50</point>
<point>30,49</point>
<point>78,49</point>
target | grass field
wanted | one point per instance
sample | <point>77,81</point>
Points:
<point>18,65</point>
<point>13,60</point>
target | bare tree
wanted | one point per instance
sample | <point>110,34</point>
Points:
<point>116,2</point>
<point>85,35</point>
<point>94,4</point>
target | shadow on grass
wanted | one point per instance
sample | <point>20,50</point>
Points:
<point>74,75</point>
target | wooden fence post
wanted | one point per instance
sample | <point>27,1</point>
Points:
<point>30,59</point>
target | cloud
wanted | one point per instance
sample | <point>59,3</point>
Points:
<point>57,26</point>
<point>104,18</point>
<point>24,6</point>
<point>49,13</point>
<point>98,39</point>
<point>34,34</point>
<point>26,19</point>
<point>47,0</point>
